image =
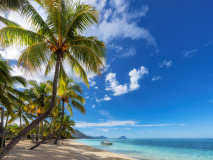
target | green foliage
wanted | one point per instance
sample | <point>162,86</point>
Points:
<point>58,34</point>
<point>8,93</point>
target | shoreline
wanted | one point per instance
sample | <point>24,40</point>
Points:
<point>68,149</point>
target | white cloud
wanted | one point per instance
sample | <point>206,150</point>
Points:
<point>130,52</point>
<point>135,75</point>
<point>92,83</point>
<point>127,128</point>
<point>118,23</point>
<point>113,85</point>
<point>104,124</point>
<point>143,12</point>
<point>165,63</point>
<point>104,129</point>
<point>87,97</point>
<point>189,53</point>
<point>11,52</point>
<point>99,4</point>
<point>155,125</point>
<point>156,78</point>
<point>105,113</point>
<point>93,106</point>
<point>96,87</point>
<point>113,123</point>
<point>106,98</point>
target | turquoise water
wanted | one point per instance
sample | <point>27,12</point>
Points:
<point>158,149</point>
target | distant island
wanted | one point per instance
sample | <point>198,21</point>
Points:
<point>81,135</point>
<point>122,137</point>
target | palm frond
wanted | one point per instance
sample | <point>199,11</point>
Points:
<point>13,118</point>
<point>77,67</point>
<point>13,35</point>
<point>10,4</point>
<point>8,22</point>
<point>34,57</point>
<point>50,64</point>
<point>78,106</point>
<point>69,108</point>
<point>26,121</point>
<point>77,88</point>
<point>34,18</point>
<point>19,79</point>
<point>84,16</point>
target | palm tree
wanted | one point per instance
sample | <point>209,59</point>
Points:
<point>21,113</point>
<point>40,95</point>
<point>15,129</point>
<point>67,93</point>
<point>53,41</point>
<point>67,126</point>
<point>8,93</point>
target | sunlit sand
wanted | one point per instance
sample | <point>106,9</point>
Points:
<point>68,149</point>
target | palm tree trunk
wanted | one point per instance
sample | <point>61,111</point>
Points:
<point>52,135</point>
<point>17,138</point>
<point>62,116</point>
<point>20,124</point>
<point>50,126</point>
<point>42,129</point>
<point>37,130</point>
<point>5,128</point>
<point>61,126</point>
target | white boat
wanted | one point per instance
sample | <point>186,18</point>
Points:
<point>106,143</point>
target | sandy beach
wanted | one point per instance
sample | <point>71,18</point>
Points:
<point>68,149</point>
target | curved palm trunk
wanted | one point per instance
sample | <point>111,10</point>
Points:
<point>5,128</point>
<point>17,138</point>
<point>52,135</point>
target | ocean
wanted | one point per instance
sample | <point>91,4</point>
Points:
<point>158,149</point>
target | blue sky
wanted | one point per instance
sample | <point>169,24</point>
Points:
<point>158,82</point>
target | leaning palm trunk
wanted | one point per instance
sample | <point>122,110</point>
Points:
<point>17,138</point>
<point>2,141</point>
<point>54,133</point>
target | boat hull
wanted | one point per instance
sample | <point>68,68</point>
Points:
<point>110,143</point>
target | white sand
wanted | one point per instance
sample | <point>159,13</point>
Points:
<point>67,149</point>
